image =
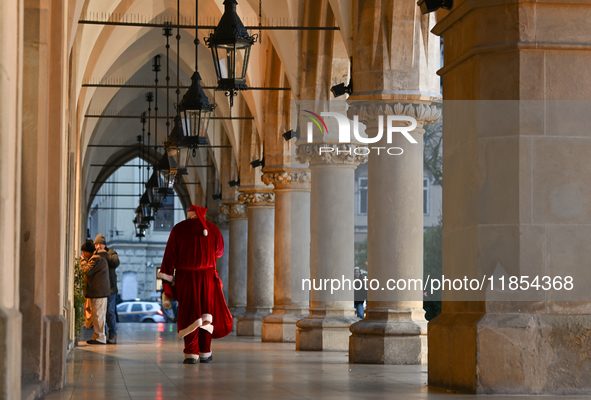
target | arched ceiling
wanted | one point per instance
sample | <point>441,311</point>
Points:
<point>120,53</point>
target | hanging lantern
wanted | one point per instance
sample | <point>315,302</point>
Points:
<point>164,169</point>
<point>177,151</point>
<point>196,110</point>
<point>155,196</point>
<point>140,224</point>
<point>145,208</point>
<point>230,48</point>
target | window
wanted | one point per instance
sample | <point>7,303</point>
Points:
<point>362,196</point>
<point>164,219</point>
<point>158,280</point>
<point>426,196</point>
<point>122,307</point>
<point>148,307</point>
<point>136,307</point>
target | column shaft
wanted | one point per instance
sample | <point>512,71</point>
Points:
<point>292,255</point>
<point>238,265</point>
<point>259,297</point>
<point>331,251</point>
<point>11,48</point>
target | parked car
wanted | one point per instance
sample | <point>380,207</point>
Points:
<point>140,311</point>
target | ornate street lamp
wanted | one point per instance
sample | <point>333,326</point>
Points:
<point>230,47</point>
<point>177,151</point>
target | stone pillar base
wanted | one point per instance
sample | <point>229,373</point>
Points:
<point>236,311</point>
<point>55,328</point>
<point>325,332</point>
<point>10,353</point>
<point>389,337</point>
<point>280,326</point>
<point>250,323</point>
<point>511,353</point>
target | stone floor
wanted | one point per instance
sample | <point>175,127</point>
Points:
<point>147,364</point>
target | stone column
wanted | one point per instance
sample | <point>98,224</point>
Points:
<point>516,198</point>
<point>222,264</point>
<point>332,243</point>
<point>10,149</point>
<point>292,254</point>
<point>259,295</point>
<point>237,252</point>
<point>394,330</point>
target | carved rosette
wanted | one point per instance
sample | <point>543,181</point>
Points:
<point>342,153</point>
<point>235,210</point>
<point>257,199</point>
<point>287,180</point>
<point>369,111</point>
<point>219,219</point>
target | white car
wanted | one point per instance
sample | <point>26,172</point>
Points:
<point>140,311</point>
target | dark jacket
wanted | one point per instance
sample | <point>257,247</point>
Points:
<point>97,275</point>
<point>113,261</point>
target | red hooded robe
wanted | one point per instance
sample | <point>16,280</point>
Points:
<point>190,256</point>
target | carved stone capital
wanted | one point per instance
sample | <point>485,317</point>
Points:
<point>235,210</point>
<point>286,180</point>
<point>321,153</point>
<point>257,199</point>
<point>220,219</point>
<point>369,111</point>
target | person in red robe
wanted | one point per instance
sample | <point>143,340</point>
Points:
<point>189,276</point>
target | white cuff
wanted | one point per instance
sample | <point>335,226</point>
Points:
<point>208,328</point>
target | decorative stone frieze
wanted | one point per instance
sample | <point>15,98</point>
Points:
<point>257,199</point>
<point>235,210</point>
<point>370,110</point>
<point>342,153</point>
<point>286,180</point>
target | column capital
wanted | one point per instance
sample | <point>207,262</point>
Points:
<point>220,219</point>
<point>287,179</point>
<point>341,153</point>
<point>369,111</point>
<point>256,199</point>
<point>234,210</point>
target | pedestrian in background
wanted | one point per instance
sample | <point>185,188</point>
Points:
<point>360,295</point>
<point>113,261</point>
<point>96,269</point>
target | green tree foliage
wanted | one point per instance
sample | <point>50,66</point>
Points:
<point>79,299</point>
<point>432,261</point>
<point>361,256</point>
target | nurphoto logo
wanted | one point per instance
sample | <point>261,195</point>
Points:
<point>344,125</point>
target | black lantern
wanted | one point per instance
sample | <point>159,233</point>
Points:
<point>177,150</point>
<point>428,6</point>
<point>140,224</point>
<point>155,195</point>
<point>164,169</point>
<point>196,110</point>
<point>145,207</point>
<point>230,47</point>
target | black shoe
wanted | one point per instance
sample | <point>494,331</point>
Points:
<point>112,339</point>
<point>206,360</point>
<point>94,342</point>
<point>190,361</point>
